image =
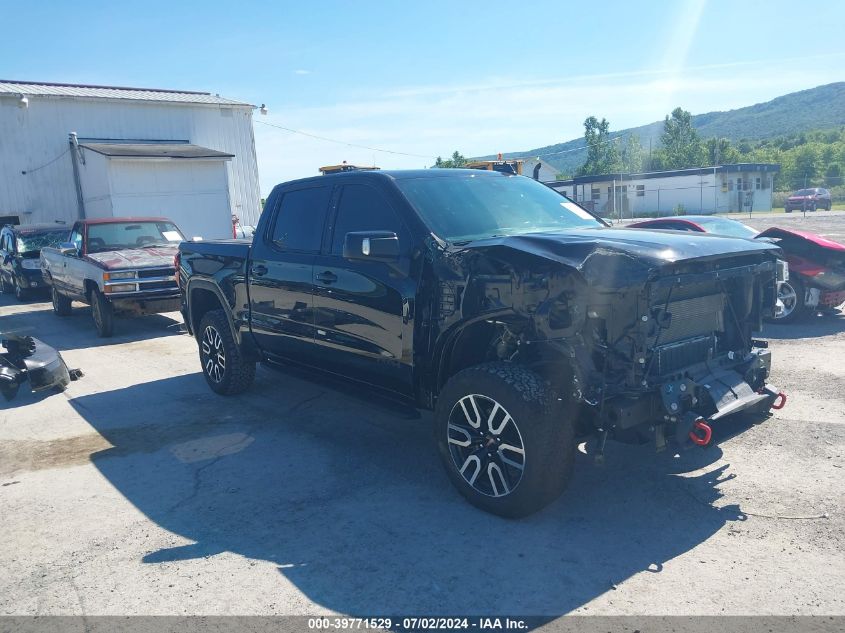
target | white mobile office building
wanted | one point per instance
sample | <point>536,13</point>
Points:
<point>71,151</point>
<point>704,190</point>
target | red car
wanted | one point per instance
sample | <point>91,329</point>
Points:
<point>816,264</point>
<point>809,199</point>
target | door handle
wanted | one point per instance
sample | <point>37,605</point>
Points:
<point>260,270</point>
<point>327,277</point>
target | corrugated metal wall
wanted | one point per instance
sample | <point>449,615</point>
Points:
<point>30,138</point>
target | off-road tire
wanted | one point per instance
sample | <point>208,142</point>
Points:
<point>102,311</point>
<point>5,286</point>
<point>61,303</point>
<point>237,373</point>
<point>546,428</point>
<point>800,308</point>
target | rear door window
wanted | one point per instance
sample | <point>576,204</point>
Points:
<point>300,218</point>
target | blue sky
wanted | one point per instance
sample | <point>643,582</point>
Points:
<point>427,78</point>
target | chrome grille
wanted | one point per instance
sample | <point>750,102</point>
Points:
<point>166,271</point>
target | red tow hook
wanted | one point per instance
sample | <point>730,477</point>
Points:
<point>701,440</point>
<point>780,401</point>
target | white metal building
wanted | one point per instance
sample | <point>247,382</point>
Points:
<point>71,151</point>
<point>704,190</point>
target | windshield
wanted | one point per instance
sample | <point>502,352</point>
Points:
<point>34,242</point>
<point>728,227</point>
<point>120,235</point>
<point>471,207</point>
<point>804,192</point>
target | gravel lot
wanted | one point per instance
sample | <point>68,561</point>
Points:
<point>138,491</point>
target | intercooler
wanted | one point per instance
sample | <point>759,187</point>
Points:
<point>691,335</point>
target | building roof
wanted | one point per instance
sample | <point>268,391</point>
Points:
<point>126,220</point>
<point>153,150</point>
<point>84,91</point>
<point>695,171</point>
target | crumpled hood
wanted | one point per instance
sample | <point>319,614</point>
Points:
<point>818,240</point>
<point>135,257</point>
<point>617,256</point>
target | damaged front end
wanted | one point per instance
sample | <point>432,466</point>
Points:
<point>685,357</point>
<point>651,340</point>
<point>28,361</point>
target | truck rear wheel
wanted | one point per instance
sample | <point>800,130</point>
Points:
<point>506,441</point>
<point>103,312</point>
<point>226,370</point>
<point>61,303</point>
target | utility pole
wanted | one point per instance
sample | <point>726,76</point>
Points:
<point>715,184</point>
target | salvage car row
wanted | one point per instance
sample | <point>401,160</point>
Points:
<point>526,323</point>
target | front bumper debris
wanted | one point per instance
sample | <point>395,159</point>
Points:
<point>29,360</point>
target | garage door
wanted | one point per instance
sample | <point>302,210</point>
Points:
<point>192,193</point>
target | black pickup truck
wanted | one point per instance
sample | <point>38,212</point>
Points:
<point>524,321</point>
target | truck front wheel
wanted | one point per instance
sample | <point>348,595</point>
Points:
<point>506,441</point>
<point>103,312</point>
<point>225,369</point>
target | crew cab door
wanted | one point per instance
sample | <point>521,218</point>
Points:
<point>281,293</point>
<point>363,309</point>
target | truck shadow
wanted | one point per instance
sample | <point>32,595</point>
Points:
<point>811,326</point>
<point>347,497</point>
<point>77,330</point>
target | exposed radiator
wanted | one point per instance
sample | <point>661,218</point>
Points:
<point>676,356</point>
<point>698,316</point>
<point>692,333</point>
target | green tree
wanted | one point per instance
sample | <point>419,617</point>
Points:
<point>602,154</point>
<point>457,160</point>
<point>718,151</point>
<point>632,156</point>
<point>681,147</point>
<point>804,165</point>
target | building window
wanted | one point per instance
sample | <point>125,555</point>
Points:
<point>596,193</point>
<point>730,185</point>
<point>640,191</point>
<point>739,184</point>
<point>757,183</point>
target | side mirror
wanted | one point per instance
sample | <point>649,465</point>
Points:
<point>373,246</point>
<point>68,249</point>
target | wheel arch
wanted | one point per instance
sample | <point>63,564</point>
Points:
<point>202,296</point>
<point>88,288</point>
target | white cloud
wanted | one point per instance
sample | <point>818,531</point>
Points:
<point>505,114</point>
<point>301,71</point>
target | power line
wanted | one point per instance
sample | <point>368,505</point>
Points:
<point>47,164</point>
<point>332,140</point>
<point>568,151</point>
<point>389,151</point>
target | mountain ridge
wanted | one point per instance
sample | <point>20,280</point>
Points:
<point>821,107</point>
